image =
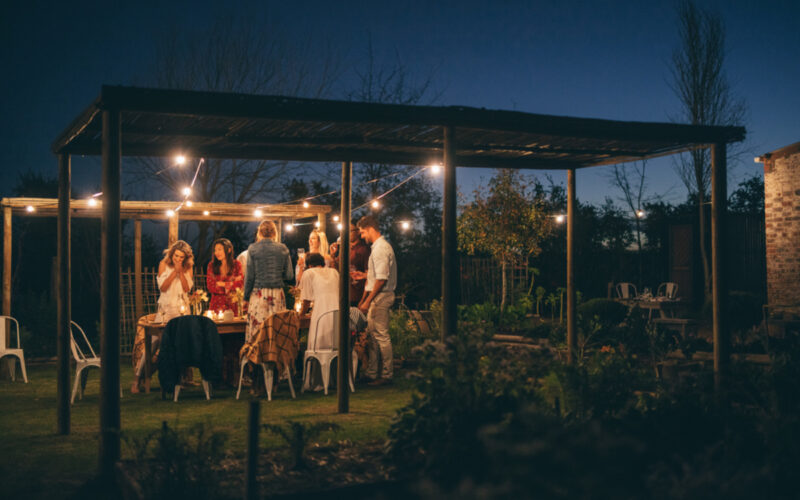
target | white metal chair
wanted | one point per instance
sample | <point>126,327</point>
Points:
<point>82,361</point>
<point>626,291</point>
<point>206,389</point>
<point>268,378</point>
<point>668,290</point>
<point>8,351</point>
<point>325,357</point>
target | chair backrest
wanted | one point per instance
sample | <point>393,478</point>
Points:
<point>668,289</point>
<point>4,337</point>
<point>77,352</point>
<point>326,316</point>
<point>626,290</point>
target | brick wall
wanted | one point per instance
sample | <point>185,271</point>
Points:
<point>782,221</point>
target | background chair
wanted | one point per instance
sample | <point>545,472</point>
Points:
<point>8,351</point>
<point>189,341</point>
<point>325,357</point>
<point>82,361</point>
<point>668,290</point>
<point>626,291</point>
<point>275,344</point>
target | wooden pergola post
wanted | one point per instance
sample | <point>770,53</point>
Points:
<point>343,372</point>
<point>173,228</point>
<point>450,279</point>
<point>321,219</point>
<point>572,335</point>
<point>719,288</point>
<point>7,261</point>
<point>110,294</point>
<point>63,296</point>
<point>138,299</point>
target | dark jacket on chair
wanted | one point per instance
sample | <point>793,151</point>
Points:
<point>189,341</point>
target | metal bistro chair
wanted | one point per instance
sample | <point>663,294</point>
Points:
<point>668,290</point>
<point>82,361</point>
<point>325,357</point>
<point>7,351</point>
<point>626,291</point>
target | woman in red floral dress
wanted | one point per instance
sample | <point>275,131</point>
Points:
<point>224,275</point>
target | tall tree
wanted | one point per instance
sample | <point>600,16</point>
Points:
<point>699,81</point>
<point>243,55</point>
<point>507,220</point>
<point>631,181</point>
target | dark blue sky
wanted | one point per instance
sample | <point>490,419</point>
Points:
<point>593,59</point>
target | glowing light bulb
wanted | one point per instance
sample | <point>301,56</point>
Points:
<point>186,191</point>
<point>206,212</point>
<point>170,213</point>
<point>257,212</point>
<point>30,209</point>
<point>339,226</point>
<point>189,203</point>
<point>640,213</point>
<point>316,224</point>
<point>305,204</point>
<point>335,218</point>
<point>297,306</point>
<point>92,202</point>
<point>376,204</point>
<point>405,225</point>
<point>560,218</point>
<point>435,169</point>
<point>289,228</point>
<point>180,159</point>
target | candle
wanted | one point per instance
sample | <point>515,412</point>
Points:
<point>183,309</point>
<point>221,315</point>
<point>210,314</point>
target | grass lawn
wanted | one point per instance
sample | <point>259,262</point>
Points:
<point>35,462</point>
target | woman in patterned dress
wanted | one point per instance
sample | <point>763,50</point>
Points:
<point>223,276</point>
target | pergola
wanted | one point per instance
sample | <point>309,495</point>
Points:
<point>143,210</point>
<point>156,122</point>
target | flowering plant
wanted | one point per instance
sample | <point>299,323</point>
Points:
<point>198,296</point>
<point>236,295</point>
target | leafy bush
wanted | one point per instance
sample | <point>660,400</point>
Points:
<point>36,313</point>
<point>179,464</point>
<point>298,436</point>
<point>607,312</point>
<point>462,385</point>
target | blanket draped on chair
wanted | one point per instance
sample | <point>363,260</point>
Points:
<point>276,341</point>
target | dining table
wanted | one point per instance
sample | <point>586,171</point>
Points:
<point>666,307</point>
<point>230,327</point>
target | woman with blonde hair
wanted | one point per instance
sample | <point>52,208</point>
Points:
<point>317,243</point>
<point>175,279</point>
<point>268,265</point>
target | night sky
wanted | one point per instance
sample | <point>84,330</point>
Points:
<point>589,59</point>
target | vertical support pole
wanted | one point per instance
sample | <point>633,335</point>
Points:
<point>111,253</point>
<point>7,261</point>
<point>719,289</point>
<point>280,230</point>
<point>137,268</point>
<point>450,278</point>
<point>321,219</point>
<point>253,424</point>
<point>63,293</point>
<point>345,351</point>
<point>173,229</point>
<point>572,335</point>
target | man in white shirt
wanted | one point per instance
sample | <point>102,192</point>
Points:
<point>378,298</point>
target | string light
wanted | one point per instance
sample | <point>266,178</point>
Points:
<point>405,225</point>
<point>560,218</point>
<point>189,203</point>
<point>187,191</point>
<point>170,213</point>
<point>305,204</point>
<point>316,224</point>
<point>92,202</point>
<point>289,228</point>
<point>375,204</point>
<point>435,169</point>
<point>180,159</point>
<point>257,213</point>
<point>640,214</point>
<point>335,218</point>
<point>30,209</point>
<point>206,213</point>
<point>339,226</point>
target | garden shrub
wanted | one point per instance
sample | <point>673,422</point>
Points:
<point>607,312</point>
<point>462,385</point>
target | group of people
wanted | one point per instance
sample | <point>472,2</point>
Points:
<point>266,265</point>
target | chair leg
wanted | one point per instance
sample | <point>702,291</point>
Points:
<point>268,375</point>
<point>291,385</point>
<point>305,375</point>
<point>242,363</point>
<point>177,391</point>
<point>326,374</point>
<point>84,380</point>
<point>22,365</point>
<point>353,373</point>
<point>76,385</point>
<point>207,389</point>
<point>12,367</point>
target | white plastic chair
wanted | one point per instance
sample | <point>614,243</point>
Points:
<point>668,290</point>
<point>325,357</point>
<point>626,291</point>
<point>7,351</point>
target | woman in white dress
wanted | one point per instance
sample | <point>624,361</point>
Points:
<point>320,285</point>
<point>175,279</point>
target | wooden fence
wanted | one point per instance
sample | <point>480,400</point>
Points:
<point>149,300</point>
<point>481,280</point>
